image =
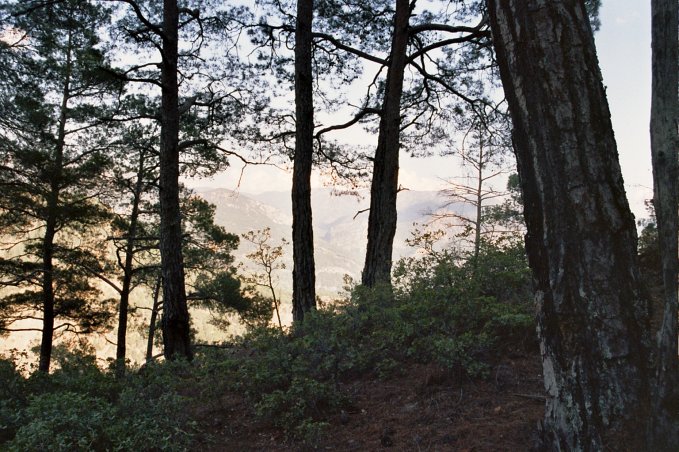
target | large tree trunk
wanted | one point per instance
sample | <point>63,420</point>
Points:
<point>303,273</point>
<point>176,331</point>
<point>664,145</point>
<point>384,188</point>
<point>581,241</point>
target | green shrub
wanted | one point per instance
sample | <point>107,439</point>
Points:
<point>467,353</point>
<point>305,400</point>
<point>76,371</point>
<point>63,421</point>
<point>12,399</point>
<point>82,407</point>
<point>444,308</point>
<point>160,423</point>
<point>311,431</point>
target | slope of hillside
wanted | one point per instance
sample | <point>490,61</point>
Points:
<point>424,408</point>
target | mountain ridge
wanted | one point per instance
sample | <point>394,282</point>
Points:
<point>340,227</point>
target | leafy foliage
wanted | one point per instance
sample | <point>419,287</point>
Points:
<point>82,407</point>
<point>461,314</point>
<point>267,259</point>
<point>54,152</point>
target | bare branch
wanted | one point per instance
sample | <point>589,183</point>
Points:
<point>155,28</point>
<point>334,41</point>
<point>447,28</point>
<point>360,212</point>
<point>360,115</point>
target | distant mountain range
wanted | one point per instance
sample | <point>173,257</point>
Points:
<point>340,231</point>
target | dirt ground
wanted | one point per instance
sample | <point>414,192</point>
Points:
<point>423,409</point>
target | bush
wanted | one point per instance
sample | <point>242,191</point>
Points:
<point>82,407</point>
<point>443,309</point>
<point>304,401</point>
<point>461,314</point>
<point>12,399</point>
<point>63,421</point>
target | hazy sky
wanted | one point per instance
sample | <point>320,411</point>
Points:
<point>624,49</point>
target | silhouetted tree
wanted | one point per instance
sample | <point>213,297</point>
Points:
<point>303,271</point>
<point>53,156</point>
<point>201,105</point>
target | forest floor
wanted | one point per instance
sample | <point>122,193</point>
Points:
<point>423,408</point>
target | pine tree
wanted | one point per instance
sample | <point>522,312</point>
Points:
<point>202,101</point>
<point>304,271</point>
<point>53,151</point>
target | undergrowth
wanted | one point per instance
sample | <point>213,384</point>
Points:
<point>81,406</point>
<point>460,314</point>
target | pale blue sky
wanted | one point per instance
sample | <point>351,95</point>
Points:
<point>624,52</point>
<point>624,49</point>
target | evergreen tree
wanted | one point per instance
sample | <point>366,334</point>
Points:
<point>304,271</point>
<point>384,188</point>
<point>207,248</point>
<point>53,151</point>
<point>415,42</point>
<point>347,36</point>
<point>212,281</point>
<point>134,227</point>
<point>201,102</point>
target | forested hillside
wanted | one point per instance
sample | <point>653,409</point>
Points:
<point>514,309</point>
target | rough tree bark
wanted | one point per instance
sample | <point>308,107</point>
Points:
<point>303,273</point>
<point>581,241</point>
<point>664,145</point>
<point>384,187</point>
<point>176,331</point>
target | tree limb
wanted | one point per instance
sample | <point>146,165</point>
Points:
<point>334,41</point>
<point>155,28</point>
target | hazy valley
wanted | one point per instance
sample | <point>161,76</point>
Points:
<point>340,225</point>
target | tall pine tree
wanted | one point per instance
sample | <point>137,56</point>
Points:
<point>53,152</point>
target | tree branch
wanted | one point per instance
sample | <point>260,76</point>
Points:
<point>440,44</point>
<point>443,83</point>
<point>346,48</point>
<point>155,28</point>
<point>351,122</point>
<point>447,28</point>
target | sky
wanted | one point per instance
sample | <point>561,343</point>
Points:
<point>624,50</point>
